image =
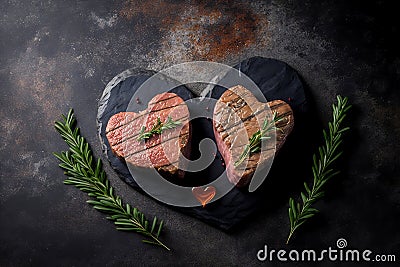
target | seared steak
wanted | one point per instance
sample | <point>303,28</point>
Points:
<point>237,116</point>
<point>160,151</point>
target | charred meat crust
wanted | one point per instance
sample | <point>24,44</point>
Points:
<point>237,116</point>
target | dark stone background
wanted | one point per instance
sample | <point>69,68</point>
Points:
<point>60,54</point>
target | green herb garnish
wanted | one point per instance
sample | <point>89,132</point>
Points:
<point>158,128</point>
<point>322,171</point>
<point>90,177</point>
<point>254,144</point>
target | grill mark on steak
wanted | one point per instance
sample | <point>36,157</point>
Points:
<point>229,130</point>
<point>243,105</point>
<point>153,101</point>
<point>132,145</point>
<point>250,117</point>
<point>137,133</point>
<point>237,98</point>
<point>156,144</point>
<point>120,134</point>
<point>158,156</point>
<point>145,113</point>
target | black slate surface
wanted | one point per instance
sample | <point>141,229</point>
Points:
<point>56,54</point>
<point>275,79</point>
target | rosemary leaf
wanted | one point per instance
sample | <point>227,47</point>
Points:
<point>89,177</point>
<point>321,168</point>
<point>254,144</point>
<point>158,128</point>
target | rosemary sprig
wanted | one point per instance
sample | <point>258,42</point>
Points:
<point>254,144</point>
<point>158,128</point>
<point>322,171</point>
<point>90,177</point>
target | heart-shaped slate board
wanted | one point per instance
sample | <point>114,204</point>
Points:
<point>276,80</point>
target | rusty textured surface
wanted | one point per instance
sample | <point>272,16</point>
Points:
<point>59,54</point>
<point>204,30</point>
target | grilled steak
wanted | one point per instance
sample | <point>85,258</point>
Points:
<point>160,151</point>
<point>237,116</point>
